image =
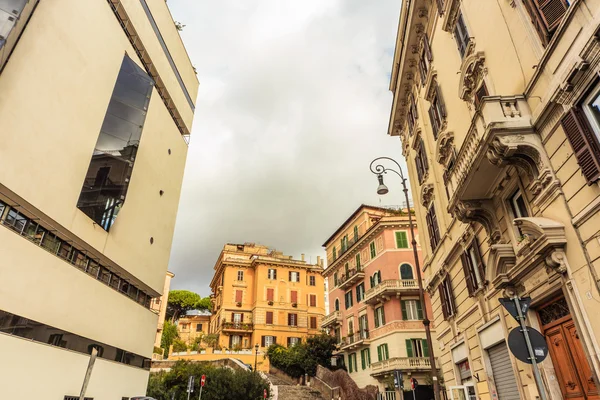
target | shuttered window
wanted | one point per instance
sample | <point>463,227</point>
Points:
<point>411,310</point>
<point>312,281</point>
<point>425,60</point>
<point>546,16</point>
<point>432,228</point>
<point>447,297</point>
<point>238,296</point>
<point>373,250</point>
<point>461,35</point>
<point>313,300</point>
<point>272,274</point>
<point>480,94</point>
<point>348,298</point>
<point>292,319</point>
<point>412,116</point>
<point>383,352</point>
<point>437,112</point>
<point>313,322</point>
<point>294,296</point>
<point>421,162</point>
<point>270,294</point>
<point>584,143</point>
<point>365,358</point>
<point>401,240</point>
<point>473,268</point>
<point>269,317</point>
<point>379,317</point>
<point>502,371</point>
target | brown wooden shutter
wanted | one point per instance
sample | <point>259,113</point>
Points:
<point>551,12</point>
<point>466,262</point>
<point>269,317</point>
<point>584,143</point>
<point>242,318</point>
<point>434,125</point>
<point>424,157</point>
<point>452,304</point>
<point>232,317</point>
<point>262,341</point>
<point>480,265</point>
<point>428,49</point>
<point>443,300</point>
<point>313,322</point>
<point>434,227</point>
<point>294,295</point>
<point>238,296</point>
<point>313,300</point>
<point>440,100</point>
<point>419,167</point>
<point>430,230</point>
<point>270,294</point>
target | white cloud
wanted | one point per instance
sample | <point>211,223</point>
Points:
<point>293,106</point>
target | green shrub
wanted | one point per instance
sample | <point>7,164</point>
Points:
<point>304,357</point>
<point>179,346</point>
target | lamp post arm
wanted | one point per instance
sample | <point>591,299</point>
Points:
<point>380,169</point>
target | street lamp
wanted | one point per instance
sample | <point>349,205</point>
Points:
<point>255,356</point>
<point>379,170</point>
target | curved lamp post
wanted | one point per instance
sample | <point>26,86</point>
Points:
<point>378,169</point>
<point>255,356</point>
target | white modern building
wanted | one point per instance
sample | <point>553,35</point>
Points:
<point>96,106</point>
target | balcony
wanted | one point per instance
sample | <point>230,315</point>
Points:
<point>350,278</point>
<point>332,319</point>
<point>390,288</point>
<point>343,250</point>
<point>359,338</point>
<point>237,327</point>
<point>401,363</point>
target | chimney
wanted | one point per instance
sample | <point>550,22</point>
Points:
<point>319,260</point>
<point>302,256</point>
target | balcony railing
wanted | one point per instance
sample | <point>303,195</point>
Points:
<point>350,278</point>
<point>387,288</point>
<point>237,326</point>
<point>358,338</point>
<point>331,319</point>
<point>403,363</point>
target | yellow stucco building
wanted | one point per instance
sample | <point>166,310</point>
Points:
<point>195,324</point>
<point>497,106</point>
<point>261,296</point>
<point>96,106</point>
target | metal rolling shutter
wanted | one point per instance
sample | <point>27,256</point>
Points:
<point>504,377</point>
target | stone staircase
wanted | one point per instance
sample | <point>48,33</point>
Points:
<point>287,390</point>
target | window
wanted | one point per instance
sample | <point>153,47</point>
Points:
<point>335,278</point>
<point>292,319</point>
<point>360,292</point>
<point>313,300</point>
<point>461,35</point>
<point>337,304</point>
<point>447,297</point>
<point>376,279</point>
<point>518,206</point>
<point>365,358</point>
<point>344,244</point>
<point>383,352</point>
<point>352,363</point>
<point>270,294</point>
<point>355,233</point>
<point>546,16</point>
<point>292,341</point>
<point>57,340</point>
<point>357,261</point>
<point>417,348</point>
<point>269,318</point>
<point>238,296</point>
<point>432,228</point>
<point>347,271</point>
<point>421,162</point>
<point>294,296</point>
<point>379,317</point>
<point>473,268</point>
<point>363,326</point>
<point>480,94</point>
<point>240,275</point>
<point>412,116</point>
<point>237,318</point>
<point>313,322</point>
<point>272,274</point>
<point>401,240</point>
<point>268,340</point>
<point>334,251</point>
<point>464,370</point>
<point>425,60</point>
<point>437,112</point>
<point>348,298</point>
<point>312,281</point>
<point>583,137</point>
<point>77,398</point>
<point>411,310</point>
<point>105,185</point>
<point>373,251</point>
<point>294,276</point>
<point>406,272</point>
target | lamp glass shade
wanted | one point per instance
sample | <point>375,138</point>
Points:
<point>381,189</point>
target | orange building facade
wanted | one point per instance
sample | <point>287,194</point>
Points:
<point>374,299</point>
<point>260,296</point>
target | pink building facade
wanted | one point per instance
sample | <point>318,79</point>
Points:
<point>374,307</point>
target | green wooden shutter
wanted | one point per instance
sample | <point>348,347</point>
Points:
<point>419,309</point>
<point>403,305</point>
<point>349,362</point>
<point>409,349</point>
<point>362,359</point>
<point>382,315</point>
<point>401,240</point>
<point>372,282</point>
<point>376,320</point>
<point>425,348</point>
<point>379,353</point>
<point>387,353</point>
<point>373,251</point>
<point>368,353</point>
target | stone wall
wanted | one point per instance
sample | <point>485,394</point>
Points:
<point>348,388</point>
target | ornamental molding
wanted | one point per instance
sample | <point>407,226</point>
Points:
<point>416,143</point>
<point>427,195</point>
<point>501,259</point>
<point>423,13</point>
<point>482,212</point>
<point>471,75</point>
<point>430,85</point>
<point>444,147</point>
<point>450,15</point>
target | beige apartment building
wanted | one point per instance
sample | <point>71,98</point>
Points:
<point>96,104</point>
<point>497,105</point>
<point>376,314</point>
<point>261,296</point>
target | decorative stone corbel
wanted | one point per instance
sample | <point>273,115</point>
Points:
<point>444,147</point>
<point>556,261</point>
<point>471,74</point>
<point>426,195</point>
<point>422,12</point>
<point>482,212</point>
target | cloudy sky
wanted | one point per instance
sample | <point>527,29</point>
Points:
<point>293,106</point>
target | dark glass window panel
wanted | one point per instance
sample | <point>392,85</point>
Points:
<point>64,250</point>
<point>104,275</point>
<point>124,287</point>
<point>31,228</point>
<point>50,242</point>
<point>93,268</point>
<point>115,282</point>
<point>555,311</point>
<point>79,259</point>
<point>105,186</point>
<point>15,220</point>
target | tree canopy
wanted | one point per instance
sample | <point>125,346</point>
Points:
<point>181,301</point>
<point>304,357</point>
<point>221,383</point>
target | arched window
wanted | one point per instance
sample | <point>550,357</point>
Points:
<point>376,279</point>
<point>406,272</point>
<point>337,305</point>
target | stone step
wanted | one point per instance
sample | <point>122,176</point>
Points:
<point>288,392</point>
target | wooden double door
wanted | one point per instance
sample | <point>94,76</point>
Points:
<point>572,369</point>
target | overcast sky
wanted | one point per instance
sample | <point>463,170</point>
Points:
<point>293,106</point>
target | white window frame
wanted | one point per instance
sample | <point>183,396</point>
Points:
<point>295,276</point>
<point>476,271</point>
<point>237,318</point>
<point>588,112</point>
<point>417,348</point>
<point>515,206</point>
<point>412,309</point>
<point>240,274</point>
<point>271,273</point>
<point>379,315</point>
<point>236,340</point>
<point>269,340</point>
<point>294,341</point>
<point>463,392</point>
